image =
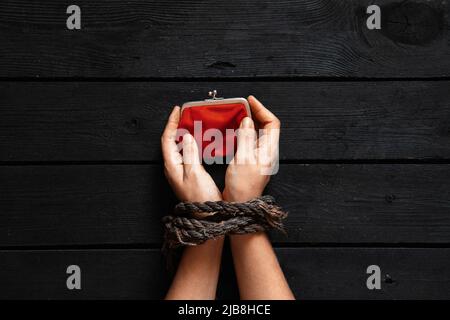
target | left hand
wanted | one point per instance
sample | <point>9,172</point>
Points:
<point>187,177</point>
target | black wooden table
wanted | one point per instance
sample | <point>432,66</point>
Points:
<point>365,142</point>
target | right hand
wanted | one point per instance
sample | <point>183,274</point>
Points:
<point>256,158</point>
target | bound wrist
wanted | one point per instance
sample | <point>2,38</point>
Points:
<point>240,239</point>
<point>203,197</point>
<point>238,197</point>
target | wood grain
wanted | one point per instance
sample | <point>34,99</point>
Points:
<point>295,38</point>
<point>123,121</point>
<point>81,180</point>
<point>82,204</point>
<point>123,204</point>
<point>340,273</point>
<point>313,273</point>
<point>105,274</point>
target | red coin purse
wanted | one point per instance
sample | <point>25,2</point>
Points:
<point>197,117</point>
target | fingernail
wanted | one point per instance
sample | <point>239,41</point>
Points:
<point>246,123</point>
<point>253,98</point>
<point>187,138</point>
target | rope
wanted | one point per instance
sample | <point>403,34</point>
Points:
<point>193,223</point>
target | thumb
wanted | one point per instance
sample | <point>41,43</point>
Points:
<point>246,140</point>
<point>191,157</point>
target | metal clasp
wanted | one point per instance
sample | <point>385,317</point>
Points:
<point>213,94</point>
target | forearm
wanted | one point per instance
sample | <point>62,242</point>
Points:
<point>198,272</point>
<point>258,272</point>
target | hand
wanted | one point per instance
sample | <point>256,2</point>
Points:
<point>257,269</point>
<point>187,177</point>
<point>256,158</point>
<point>198,271</point>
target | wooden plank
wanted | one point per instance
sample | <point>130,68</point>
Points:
<point>105,274</point>
<point>321,120</point>
<point>143,38</point>
<point>313,273</point>
<point>364,203</point>
<point>123,204</point>
<point>340,273</point>
<point>51,205</point>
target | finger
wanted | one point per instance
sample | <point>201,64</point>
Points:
<point>172,123</point>
<point>168,139</point>
<point>268,146</point>
<point>246,140</point>
<point>191,157</point>
<point>270,125</point>
<point>262,115</point>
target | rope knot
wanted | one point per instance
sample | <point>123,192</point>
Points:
<point>193,223</point>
